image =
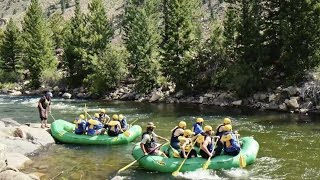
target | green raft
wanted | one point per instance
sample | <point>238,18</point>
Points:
<point>249,151</point>
<point>64,132</point>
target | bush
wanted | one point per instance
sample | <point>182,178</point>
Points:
<point>51,77</point>
<point>10,77</point>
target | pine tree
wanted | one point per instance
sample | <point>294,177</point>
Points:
<point>142,42</point>
<point>10,48</point>
<point>75,48</point>
<point>180,40</point>
<point>38,46</point>
<point>99,28</point>
<point>58,28</point>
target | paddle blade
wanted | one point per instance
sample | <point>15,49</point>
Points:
<point>242,161</point>
<point>206,165</point>
<point>176,154</point>
<point>175,173</point>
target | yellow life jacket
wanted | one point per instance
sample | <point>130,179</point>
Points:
<point>226,139</point>
<point>113,124</point>
<point>182,140</point>
<point>92,123</point>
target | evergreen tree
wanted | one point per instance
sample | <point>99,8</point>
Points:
<point>180,40</point>
<point>58,28</point>
<point>75,48</point>
<point>10,48</point>
<point>99,28</point>
<point>142,41</point>
<point>38,46</point>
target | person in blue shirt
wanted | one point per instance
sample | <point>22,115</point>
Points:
<point>197,127</point>
<point>95,127</point>
<point>81,125</point>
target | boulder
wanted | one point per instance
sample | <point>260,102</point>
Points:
<point>209,95</point>
<point>17,160</point>
<point>156,96</point>
<point>237,103</point>
<point>66,96</point>
<point>14,175</point>
<point>272,97</point>
<point>10,122</point>
<point>179,94</point>
<point>15,93</point>
<point>292,90</point>
<point>3,156</point>
<point>283,107</point>
<point>292,103</point>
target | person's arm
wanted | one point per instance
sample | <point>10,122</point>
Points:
<point>40,104</point>
<point>143,142</point>
<point>204,146</point>
<point>183,149</point>
<point>160,137</point>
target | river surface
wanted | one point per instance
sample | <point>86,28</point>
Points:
<point>289,143</point>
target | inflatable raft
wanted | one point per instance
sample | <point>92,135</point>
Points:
<point>64,132</point>
<point>249,151</point>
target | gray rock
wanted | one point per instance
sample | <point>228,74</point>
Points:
<point>13,175</point>
<point>272,97</point>
<point>3,156</point>
<point>237,103</point>
<point>303,111</point>
<point>10,122</point>
<point>283,107</point>
<point>272,106</point>
<point>17,160</point>
<point>209,95</point>
<point>66,96</point>
<point>179,94</point>
<point>156,96</point>
<point>292,90</point>
<point>15,93</point>
<point>200,100</point>
<point>2,124</point>
<point>292,103</point>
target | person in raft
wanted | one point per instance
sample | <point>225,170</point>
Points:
<point>185,143</point>
<point>206,146</point>
<point>114,126</point>
<point>123,122</point>
<point>219,132</point>
<point>81,125</point>
<point>176,132</point>
<point>95,127</point>
<point>197,127</point>
<point>229,140</point>
<point>149,141</point>
<point>44,107</point>
<point>103,117</point>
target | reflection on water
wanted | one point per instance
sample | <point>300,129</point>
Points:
<point>288,142</point>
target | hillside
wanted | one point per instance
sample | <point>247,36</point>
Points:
<point>15,9</point>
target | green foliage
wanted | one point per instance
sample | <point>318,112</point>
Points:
<point>10,49</point>
<point>58,28</point>
<point>10,77</point>
<point>211,60</point>
<point>110,70</point>
<point>51,77</point>
<point>88,36</point>
<point>180,40</point>
<point>38,46</point>
<point>142,41</point>
<point>75,48</point>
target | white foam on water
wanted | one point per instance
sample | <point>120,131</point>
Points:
<point>200,174</point>
<point>237,173</point>
<point>119,178</point>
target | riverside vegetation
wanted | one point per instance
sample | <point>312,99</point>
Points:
<point>233,47</point>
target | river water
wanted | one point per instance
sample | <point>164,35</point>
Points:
<point>288,142</point>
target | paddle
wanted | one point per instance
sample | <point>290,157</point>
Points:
<point>206,165</point>
<point>133,122</point>
<point>175,152</point>
<point>242,160</point>
<point>175,173</point>
<point>130,164</point>
<point>52,116</point>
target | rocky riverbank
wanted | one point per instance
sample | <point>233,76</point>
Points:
<point>299,99</point>
<point>17,142</point>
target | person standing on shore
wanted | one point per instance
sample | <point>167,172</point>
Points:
<point>44,107</point>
